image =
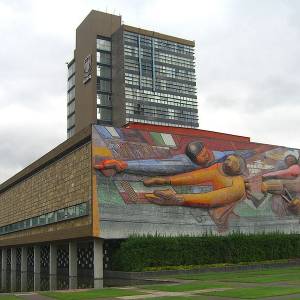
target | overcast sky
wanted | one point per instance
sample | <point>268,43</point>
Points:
<point>247,64</point>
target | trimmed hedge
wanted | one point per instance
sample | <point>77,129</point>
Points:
<point>138,253</point>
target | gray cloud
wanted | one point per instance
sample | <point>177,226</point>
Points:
<point>248,66</point>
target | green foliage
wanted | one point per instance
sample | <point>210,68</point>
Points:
<point>139,253</point>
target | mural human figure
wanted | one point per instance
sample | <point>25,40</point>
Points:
<point>285,184</point>
<point>196,156</point>
<point>228,185</point>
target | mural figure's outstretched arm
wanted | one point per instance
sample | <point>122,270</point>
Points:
<point>212,199</point>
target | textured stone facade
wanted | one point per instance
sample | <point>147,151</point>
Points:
<point>63,183</point>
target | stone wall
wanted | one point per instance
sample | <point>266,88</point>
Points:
<point>63,183</point>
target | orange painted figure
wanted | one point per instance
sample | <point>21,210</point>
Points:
<point>225,178</point>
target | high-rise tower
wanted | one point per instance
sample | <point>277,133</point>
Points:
<point>122,74</point>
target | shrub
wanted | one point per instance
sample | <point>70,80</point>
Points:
<point>138,253</point>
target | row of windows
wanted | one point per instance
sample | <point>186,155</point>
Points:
<point>157,97</point>
<point>71,69</point>
<point>162,71</point>
<point>71,107</point>
<point>134,51</point>
<point>103,44</point>
<point>104,58</point>
<point>104,114</point>
<point>141,120</point>
<point>158,43</point>
<point>161,84</point>
<point>134,79</point>
<point>131,65</point>
<point>71,95</point>
<point>174,60</point>
<point>159,57</point>
<point>71,82</point>
<point>175,73</point>
<point>174,47</point>
<point>173,86</point>
<point>104,99</point>
<point>71,121</point>
<point>160,112</point>
<point>157,115</point>
<point>63,214</point>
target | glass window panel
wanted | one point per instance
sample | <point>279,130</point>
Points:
<point>71,212</point>
<point>51,217</point>
<point>104,58</point>
<point>104,114</point>
<point>104,99</point>
<point>104,71</point>
<point>60,215</point>
<point>82,209</point>
<point>27,223</point>
<point>71,107</point>
<point>35,221</point>
<point>42,220</point>
<point>105,86</point>
<point>103,45</point>
<point>71,121</point>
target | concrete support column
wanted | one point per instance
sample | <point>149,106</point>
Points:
<point>13,269</point>
<point>37,267</point>
<point>98,263</point>
<point>53,267</point>
<point>24,253</point>
<point>4,268</point>
<point>72,265</point>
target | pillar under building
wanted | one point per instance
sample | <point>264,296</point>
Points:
<point>98,263</point>
<point>24,253</point>
<point>4,268</point>
<point>37,267</point>
<point>13,269</point>
<point>73,265</point>
<point>53,267</point>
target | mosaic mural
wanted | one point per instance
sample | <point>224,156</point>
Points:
<point>225,180</point>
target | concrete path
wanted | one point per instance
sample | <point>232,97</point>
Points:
<point>32,296</point>
<point>154,294</point>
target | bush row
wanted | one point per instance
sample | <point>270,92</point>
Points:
<point>140,253</point>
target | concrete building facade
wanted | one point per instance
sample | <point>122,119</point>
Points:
<point>122,74</point>
<point>107,183</point>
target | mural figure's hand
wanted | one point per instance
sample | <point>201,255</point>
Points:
<point>165,197</point>
<point>294,206</point>
<point>272,186</point>
<point>156,181</point>
<point>117,165</point>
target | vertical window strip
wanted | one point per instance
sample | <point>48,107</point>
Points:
<point>153,65</point>
<point>140,60</point>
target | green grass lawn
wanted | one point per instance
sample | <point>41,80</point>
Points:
<point>266,278</point>
<point>9,297</point>
<point>239,274</point>
<point>185,287</point>
<point>257,292</point>
<point>288,277</point>
<point>91,294</point>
